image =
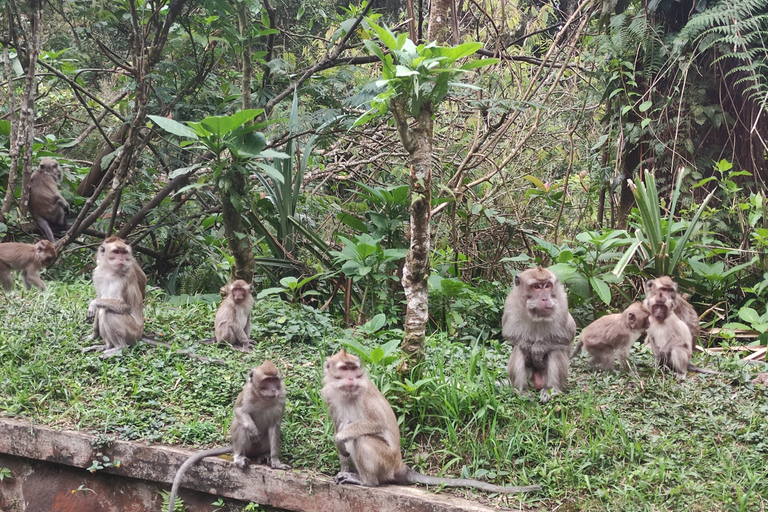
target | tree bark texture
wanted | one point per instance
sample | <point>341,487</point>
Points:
<point>237,239</point>
<point>418,143</point>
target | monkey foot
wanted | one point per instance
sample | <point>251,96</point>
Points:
<point>347,477</point>
<point>276,464</point>
<point>111,352</point>
<point>547,394</point>
<point>242,462</point>
<point>93,348</point>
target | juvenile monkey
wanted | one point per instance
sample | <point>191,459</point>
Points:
<point>28,258</point>
<point>117,312</point>
<point>233,318</point>
<point>537,322</point>
<point>255,426</point>
<point>46,204</point>
<point>665,287</point>
<point>658,291</point>
<point>669,337</point>
<point>367,434</point>
<point>613,335</point>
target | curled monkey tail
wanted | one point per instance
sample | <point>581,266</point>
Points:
<point>577,350</point>
<point>409,476</point>
<point>184,467</point>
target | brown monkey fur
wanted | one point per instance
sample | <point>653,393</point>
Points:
<point>255,426</point>
<point>233,318</point>
<point>367,435</point>
<point>669,337</point>
<point>46,204</point>
<point>612,336</point>
<point>537,322</point>
<point>27,258</point>
<point>117,312</point>
<point>664,287</point>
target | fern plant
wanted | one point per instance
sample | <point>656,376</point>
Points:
<point>738,31</point>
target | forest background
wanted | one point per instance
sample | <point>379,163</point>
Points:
<point>356,172</point>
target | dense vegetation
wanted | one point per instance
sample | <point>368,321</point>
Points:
<point>322,150</point>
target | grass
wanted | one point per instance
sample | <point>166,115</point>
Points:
<point>636,441</point>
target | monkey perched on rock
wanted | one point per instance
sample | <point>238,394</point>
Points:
<point>537,322</point>
<point>46,204</point>
<point>27,258</point>
<point>613,335</point>
<point>233,318</point>
<point>117,312</point>
<point>255,426</point>
<point>367,434</point>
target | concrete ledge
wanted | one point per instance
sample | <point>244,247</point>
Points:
<point>290,490</point>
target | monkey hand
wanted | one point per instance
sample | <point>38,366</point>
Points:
<point>92,308</point>
<point>341,444</point>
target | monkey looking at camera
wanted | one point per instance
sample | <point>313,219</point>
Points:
<point>255,426</point>
<point>661,289</point>
<point>613,335</point>
<point>669,337</point>
<point>46,204</point>
<point>537,322</point>
<point>117,312</point>
<point>367,435</point>
<point>27,258</point>
<point>233,318</point>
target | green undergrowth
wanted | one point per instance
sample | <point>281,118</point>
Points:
<point>628,441</point>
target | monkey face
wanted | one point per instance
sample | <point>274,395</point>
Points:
<point>539,300</point>
<point>345,372</point>
<point>660,309</point>
<point>269,387</point>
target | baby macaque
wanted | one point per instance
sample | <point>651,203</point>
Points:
<point>28,259</point>
<point>612,336</point>
<point>233,318</point>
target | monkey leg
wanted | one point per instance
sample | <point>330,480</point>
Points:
<point>602,356</point>
<point>32,278</point>
<point>6,280</point>
<point>45,228</point>
<point>518,373</point>
<point>373,459</point>
<point>556,374</point>
<point>119,331</point>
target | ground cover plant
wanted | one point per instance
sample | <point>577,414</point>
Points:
<point>614,441</point>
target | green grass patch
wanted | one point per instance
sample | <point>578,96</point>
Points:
<point>632,441</point>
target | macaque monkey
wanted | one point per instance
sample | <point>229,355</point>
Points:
<point>537,322</point>
<point>28,258</point>
<point>658,291</point>
<point>665,287</point>
<point>613,335</point>
<point>117,312</point>
<point>669,337</point>
<point>367,434</point>
<point>46,204</point>
<point>255,426</point>
<point>233,318</point>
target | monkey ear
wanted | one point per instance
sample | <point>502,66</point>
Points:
<point>631,317</point>
<point>250,376</point>
<point>648,285</point>
<point>517,280</point>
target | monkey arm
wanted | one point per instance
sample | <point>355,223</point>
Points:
<point>246,422</point>
<point>274,448</point>
<point>358,429</point>
<point>118,306</point>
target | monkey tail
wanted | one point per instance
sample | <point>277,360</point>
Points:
<point>414,477</point>
<point>577,349</point>
<point>692,368</point>
<point>184,467</point>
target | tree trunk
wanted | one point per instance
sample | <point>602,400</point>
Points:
<point>237,238</point>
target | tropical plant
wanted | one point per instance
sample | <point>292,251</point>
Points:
<point>660,242</point>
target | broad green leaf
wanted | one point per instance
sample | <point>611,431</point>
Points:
<point>601,288</point>
<point>174,127</point>
<point>478,63</point>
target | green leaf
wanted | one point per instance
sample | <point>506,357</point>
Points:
<point>749,315</point>
<point>478,63</point>
<point>644,106</point>
<point>601,288</point>
<point>174,127</point>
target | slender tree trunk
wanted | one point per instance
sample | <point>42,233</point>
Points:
<point>237,238</point>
